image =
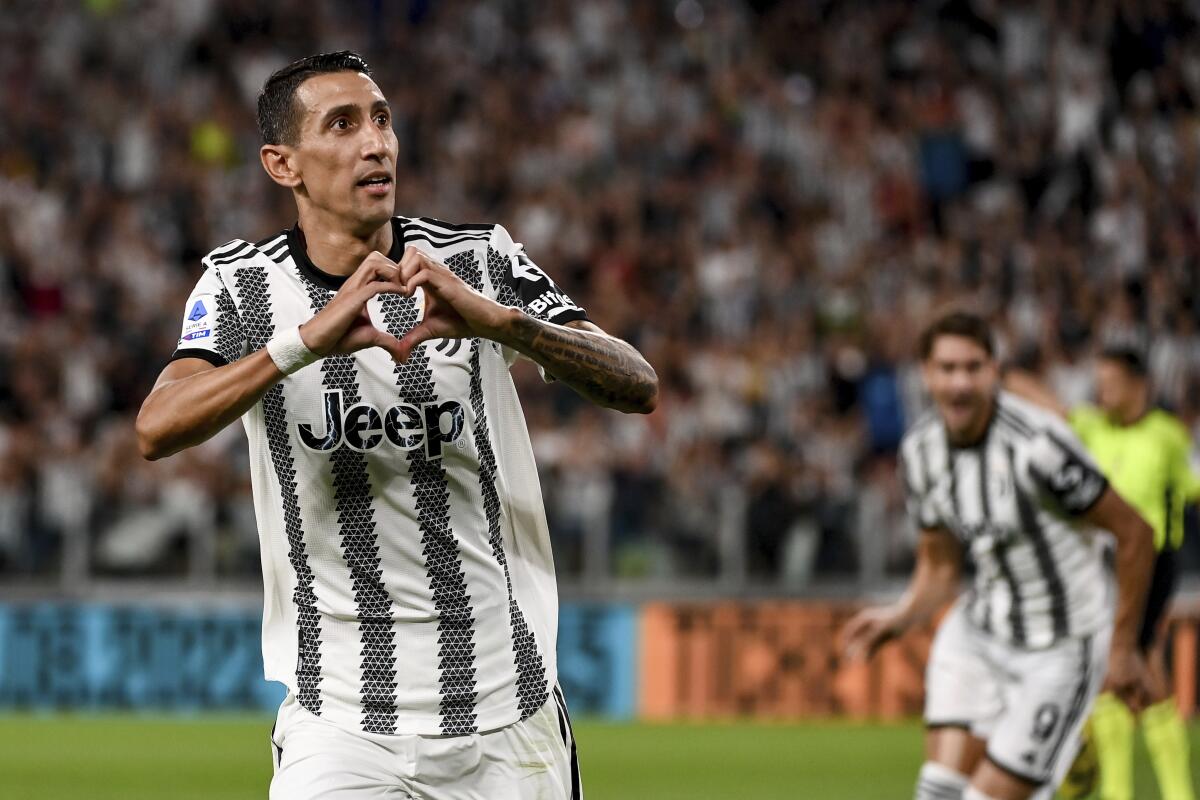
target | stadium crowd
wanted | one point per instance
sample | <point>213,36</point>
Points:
<point>766,198</point>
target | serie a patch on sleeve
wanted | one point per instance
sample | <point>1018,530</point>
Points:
<point>198,318</point>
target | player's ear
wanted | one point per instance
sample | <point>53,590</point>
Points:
<point>278,161</point>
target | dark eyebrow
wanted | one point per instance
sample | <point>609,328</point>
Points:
<point>348,109</point>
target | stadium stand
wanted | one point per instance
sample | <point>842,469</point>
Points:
<point>767,198</point>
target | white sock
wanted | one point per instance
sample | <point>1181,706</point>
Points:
<point>975,794</point>
<point>939,782</point>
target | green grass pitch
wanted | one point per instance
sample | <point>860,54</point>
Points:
<point>228,758</point>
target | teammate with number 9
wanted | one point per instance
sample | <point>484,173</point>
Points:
<point>1019,658</point>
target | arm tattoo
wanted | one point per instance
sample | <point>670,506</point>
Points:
<point>602,368</point>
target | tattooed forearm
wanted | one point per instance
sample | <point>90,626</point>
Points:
<point>604,369</point>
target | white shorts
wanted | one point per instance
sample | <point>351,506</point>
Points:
<point>1029,705</point>
<point>533,758</point>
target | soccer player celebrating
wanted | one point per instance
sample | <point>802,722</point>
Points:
<point>1019,658</point>
<point>410,606</point>
<point>1144,451</point>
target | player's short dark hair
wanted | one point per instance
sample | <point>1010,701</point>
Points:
<point>278,117</point>
<point>957,323</point>
<point>1133,358</point>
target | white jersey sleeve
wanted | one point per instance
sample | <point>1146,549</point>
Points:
<point>211,328</point>
<point>1062,468</point>
<point>520,283</point>
<point>918,480</point>
<point>517,282</point>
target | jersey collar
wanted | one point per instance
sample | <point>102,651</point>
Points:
<point>299,251</point>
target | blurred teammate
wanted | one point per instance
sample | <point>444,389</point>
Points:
<point>410,606</point>
<point>1144,451</point>
<point>1018,659</point>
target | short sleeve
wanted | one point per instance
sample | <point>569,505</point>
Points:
<point>918,494</point>
<point>1062,468</point>
<point>1183,476</point>
<point>211,327</point>
<point>520,283</point>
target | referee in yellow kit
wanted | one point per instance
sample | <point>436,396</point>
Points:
<point>1144,452</point>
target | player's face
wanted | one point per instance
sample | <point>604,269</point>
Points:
<point>961,378</point>
<point>1116,389</point>
<point>346,154</point>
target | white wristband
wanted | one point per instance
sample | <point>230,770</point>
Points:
<point>289,353</point>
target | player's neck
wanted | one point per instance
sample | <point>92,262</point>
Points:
<point>336,250</point>
<point>1131,413</point>
<point>977,432</point>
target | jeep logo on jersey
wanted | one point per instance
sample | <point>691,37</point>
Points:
<point>406,426</point>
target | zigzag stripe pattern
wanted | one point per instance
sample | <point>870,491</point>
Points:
<point>251,282</point>
<point>360,547</point>
<point>447,581</point>
<point>532,690</point>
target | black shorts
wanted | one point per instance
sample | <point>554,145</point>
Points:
<point>1162,587</point>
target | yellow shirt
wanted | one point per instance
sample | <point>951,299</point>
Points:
<point>1146,463</point>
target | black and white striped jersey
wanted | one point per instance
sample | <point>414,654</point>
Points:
<point>1014,500</point>
<point>409,581</point>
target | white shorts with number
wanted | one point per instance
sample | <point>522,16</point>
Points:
<point>1029,705</point>
<point>532,758</point>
